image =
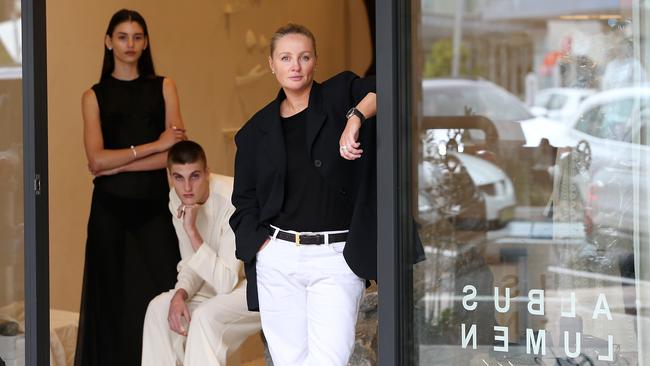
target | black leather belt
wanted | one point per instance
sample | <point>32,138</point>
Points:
<point>309,239</point>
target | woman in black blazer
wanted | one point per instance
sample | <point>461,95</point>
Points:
<point>305,197</point>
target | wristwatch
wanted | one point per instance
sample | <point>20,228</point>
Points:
<point>355,112</point>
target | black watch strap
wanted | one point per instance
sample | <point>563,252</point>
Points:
<point>355,112</point>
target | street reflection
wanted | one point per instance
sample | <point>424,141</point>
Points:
<point>533,184</point>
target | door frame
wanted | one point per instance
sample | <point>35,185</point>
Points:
<point>35,183</point>
<point>395,225</point>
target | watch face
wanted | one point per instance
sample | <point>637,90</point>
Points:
<point>355,112</point>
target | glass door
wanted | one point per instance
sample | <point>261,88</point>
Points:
<point>12,253</point>
<point>530,166</point>
<point>24,335</point>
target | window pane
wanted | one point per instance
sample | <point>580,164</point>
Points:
<point>533,179</point>
<point>12,338</point>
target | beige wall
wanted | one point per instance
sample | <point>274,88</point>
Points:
<point>203,50</point>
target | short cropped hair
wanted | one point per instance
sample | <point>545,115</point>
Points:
<point>186,152</point>
<point>292,28</point>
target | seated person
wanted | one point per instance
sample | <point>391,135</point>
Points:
<point>205,316</point>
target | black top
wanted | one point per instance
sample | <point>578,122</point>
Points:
<point>132,113</point>
<point>261,172</point>
<point>310,204</point>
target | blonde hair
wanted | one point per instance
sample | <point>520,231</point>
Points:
<point>292,28</point>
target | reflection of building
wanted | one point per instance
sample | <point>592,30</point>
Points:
<point>503,40</point>
<point>498,51</point>
<point>549,9</point>
<point>578,249</point>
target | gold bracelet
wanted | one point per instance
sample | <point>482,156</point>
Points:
<point>135,153</point>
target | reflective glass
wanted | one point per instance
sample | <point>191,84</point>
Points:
<point>12,338</point>
<point>533,181</point>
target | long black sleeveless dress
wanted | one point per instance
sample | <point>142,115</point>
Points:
<point>131,249</point>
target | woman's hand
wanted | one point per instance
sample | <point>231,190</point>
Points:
<point>171,136</point>
<point>349,147</point>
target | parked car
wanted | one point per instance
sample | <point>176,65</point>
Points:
<point>516,126</point>
<point>514,150</point>
<point>495,187</point>
<point>559,104</point>
<point>465,189</point>
<point>611,134</point>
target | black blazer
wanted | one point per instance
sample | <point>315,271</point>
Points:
<point>260,170</point>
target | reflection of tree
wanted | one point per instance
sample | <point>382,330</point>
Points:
<point>567,208</point>
<point>572,175</point>
<point>454,234</point>
<point>438,62</point>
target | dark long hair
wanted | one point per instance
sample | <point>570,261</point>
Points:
<point>145,62</point>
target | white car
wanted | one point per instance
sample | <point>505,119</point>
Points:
<point>472,191</point>
<point>495,187</point>
<point>559,104</point>
<point>516,126</point>
<point>482,191</point>
<point>611,131</point>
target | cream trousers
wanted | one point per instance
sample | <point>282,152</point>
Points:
<point>219,325</point>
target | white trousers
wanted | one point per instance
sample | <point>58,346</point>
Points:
<point>219,325</point>
<point>309,299</point>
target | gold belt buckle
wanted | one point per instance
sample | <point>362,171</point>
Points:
<point>297,240</point>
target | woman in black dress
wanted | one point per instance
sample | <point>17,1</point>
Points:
<point>131,119</point>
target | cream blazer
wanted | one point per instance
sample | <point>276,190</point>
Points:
<point>213,269</point>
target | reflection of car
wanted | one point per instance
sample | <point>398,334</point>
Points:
<point>611,134</point>
<point>473,192</point>
<point>515,124</point>
<point>495,187</point>
<point>559,104</point>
